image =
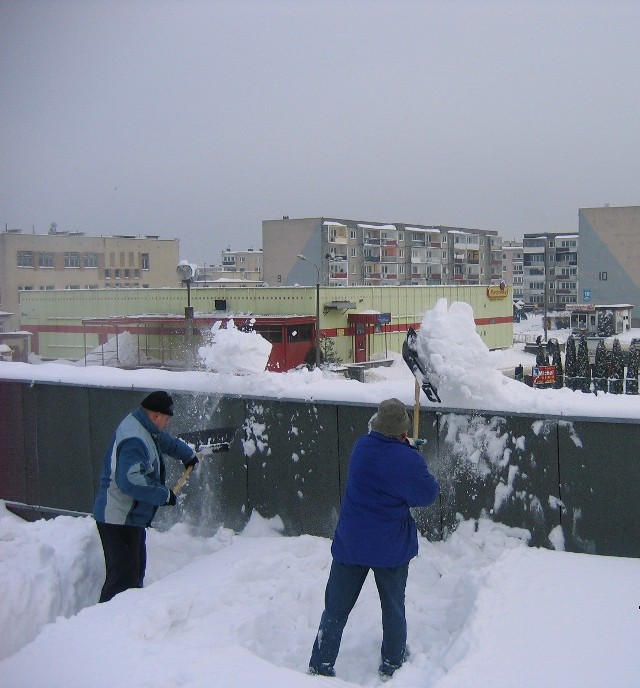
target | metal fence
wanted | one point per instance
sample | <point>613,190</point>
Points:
<point>571,480</point>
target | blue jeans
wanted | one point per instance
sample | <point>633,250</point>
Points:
<point>343,588</point>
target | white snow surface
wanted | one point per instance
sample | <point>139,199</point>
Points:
<point>242,609</point>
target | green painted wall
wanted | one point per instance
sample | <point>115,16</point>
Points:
<point>406,305</point>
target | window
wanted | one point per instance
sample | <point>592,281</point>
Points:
<point>354,252</point>
<point>352,234</point>
<point>72,260</point>
<point>299,333</point>
<point>145,262</point>
<point>25,259</point>
<point>272,333</point>
<point>107,273</point>
<point>117,275</point>
<point>46,260</point>
<point>91,260</point>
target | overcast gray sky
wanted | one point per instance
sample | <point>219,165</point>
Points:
<point>199,119</point>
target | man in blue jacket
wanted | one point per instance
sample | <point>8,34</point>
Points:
<point>375,531</point>
<point>132,488</point>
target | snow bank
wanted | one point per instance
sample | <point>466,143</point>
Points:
<point>463,370</point>
<point>483,609</point>
<point>233,351</point>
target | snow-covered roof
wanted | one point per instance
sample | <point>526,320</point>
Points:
<point>378,226</point>
<point>432,230</point>
<point>328,223</point>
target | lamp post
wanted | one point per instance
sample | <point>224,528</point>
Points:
<point>185,273</point>
<point>317,337</point>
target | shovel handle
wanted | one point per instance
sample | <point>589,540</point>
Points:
<point>416,411</point>
<point>183,479</point>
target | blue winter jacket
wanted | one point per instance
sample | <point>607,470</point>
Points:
<point>133,472</point>
<point>386,477</point>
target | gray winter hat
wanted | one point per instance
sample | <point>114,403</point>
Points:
<point>391,419</point>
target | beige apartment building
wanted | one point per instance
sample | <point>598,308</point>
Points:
<point>66,260</point>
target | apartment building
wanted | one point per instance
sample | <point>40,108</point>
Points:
<point>72,260</point>
<point>341,252</point>
<point>513,267</point>
<point>550,265</point>
<point>609,260</point>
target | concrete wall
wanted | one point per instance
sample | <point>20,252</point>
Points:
<point>290,458</point>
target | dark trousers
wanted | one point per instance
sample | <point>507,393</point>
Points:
<point>125,558</point>
<point>343,588</point>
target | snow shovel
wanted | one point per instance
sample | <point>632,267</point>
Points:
<point>418,368</point>
<point>204,450</point>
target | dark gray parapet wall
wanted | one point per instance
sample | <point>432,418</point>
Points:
<point>572,480</point>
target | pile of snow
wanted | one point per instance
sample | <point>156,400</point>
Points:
<point>239,610</point>
<point>233,351</point>
<point>462,369</point>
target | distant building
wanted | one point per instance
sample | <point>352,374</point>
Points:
<point>348,253</point>
<point>244,267</point>
<point>513,267</point>
<point>72,260</point>
<point>550,264</point>
<point>610,256</point>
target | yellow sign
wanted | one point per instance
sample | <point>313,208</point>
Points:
<point>500,292</point>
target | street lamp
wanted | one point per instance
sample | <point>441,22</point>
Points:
<point>185,273</point>
<point>317,338</point>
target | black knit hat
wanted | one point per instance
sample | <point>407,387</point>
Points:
<point>391,419</point>
<point>158,401</point>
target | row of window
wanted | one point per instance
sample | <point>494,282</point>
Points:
<point>118,273</point>
<point>72,259</point>
<point>416,254</point>
<point>51,287</point>
<point>563,298</point>
<point>398,235</point>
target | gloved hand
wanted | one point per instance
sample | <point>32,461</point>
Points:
<point>192,462</point>
<point>172,499</point>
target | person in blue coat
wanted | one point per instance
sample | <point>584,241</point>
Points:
<point>132,487</point>
<point>375,531</point>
